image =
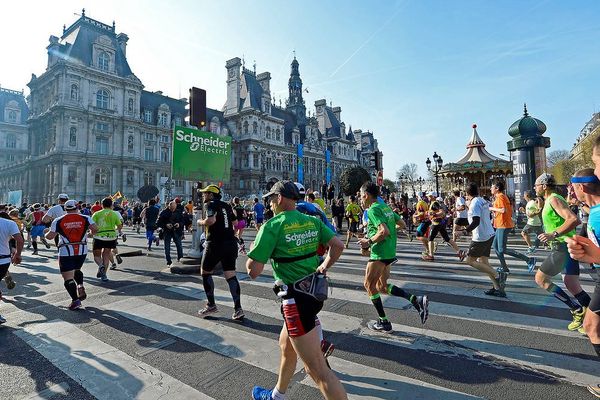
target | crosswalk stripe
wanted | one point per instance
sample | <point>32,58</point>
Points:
<point>494,317</point>
<point>262,352</point>
<point>104,371</point>
<point>571,369</point>
<point>62,388</point>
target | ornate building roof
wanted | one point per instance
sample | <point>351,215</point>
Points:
<point>527,126</point>
<point>477,158</point>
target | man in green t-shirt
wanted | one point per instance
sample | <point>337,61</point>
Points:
<point>381,238</point>
<point>291,240</point>
<point>105,240</point>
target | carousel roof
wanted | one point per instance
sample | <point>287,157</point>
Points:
<point>477,158</point>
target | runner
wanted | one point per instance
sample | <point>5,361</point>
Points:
<point>461,217</point>
<point>108,222</point>
<point>57,210</point>
<point>71,229</point>
<point>503,223</point>
<point>291,240</point>
<point>437,216</point>
<point>259,213</point>
<point>137,217</point>
<point>353,215</point>
<point>37,228</point>
<point>559,223</point>
<point>171,222</point>
<point>240,217</point>
<point>9,230</point>
<point>220,246</point>
<point>586,249</point>
<point>96,207</point>
<point>478,254</point>
<point>381,238</point>
<point>150,216</point>
<point>421,220</point>
<point>534,222</point>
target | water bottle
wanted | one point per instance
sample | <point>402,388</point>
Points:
<point>282,288</point>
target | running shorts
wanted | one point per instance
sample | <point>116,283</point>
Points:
<point>461,222</point>
<point>422,229</point>
<point>4,267</point>
<point>353,227</point>
<point>537,229</point>
<point>224,252</point>
<point>105,244</point>
<point>387,261</point>
<point>259,220</point>
<point>241,224</point>
<point>480,249</point>
<point>37,231</point>
<point>559,261</point>
<point>299,311</point>
<point>70,263</point>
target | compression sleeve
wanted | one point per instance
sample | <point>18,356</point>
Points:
<point>473,224</point>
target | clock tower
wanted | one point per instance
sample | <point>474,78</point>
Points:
<point>295,102</point>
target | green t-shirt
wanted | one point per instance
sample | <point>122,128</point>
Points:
<point>552,220</point>
<point>379,214</point>
<point>107,221</point>
<point>354,210</point>
<point>290,234</point>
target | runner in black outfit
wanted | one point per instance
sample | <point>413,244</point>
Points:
<point>221,246</point>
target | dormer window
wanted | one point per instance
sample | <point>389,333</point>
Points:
<point>103,60</point>
<point>162,119</point>
<point>148,116</point>
<point>12,116</point>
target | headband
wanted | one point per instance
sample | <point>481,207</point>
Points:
<point>585,179</point>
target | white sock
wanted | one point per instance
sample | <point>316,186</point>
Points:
<point>319,328</point>
<point>277,395</point>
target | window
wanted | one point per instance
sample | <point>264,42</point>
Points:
<point>102,127</point>
<point>130,105</point>
<point>278,164</point>
<point>148,116</point>
<point>164,154</point>
<point>12,116</point>
<point>72,175</point>
<point>10,157</point>
<point>165,139</point>
<point>148,178</point>
<point>162,119</point>
<point>149,154</point>
<point>278,134</point>
<point>245,127</point>
<point>74,92</point>
<point>73,136</point>
<point>102,99</point>
<point>255,161</point>
<point>254,127</point>
<point>103,60</point>
<point>129,177</point>
<point>268,132</point>
<point>130,144</point>
<point>177,120</point>
<point>101,176</point>
<point>11,141</point>
<point>101,145</point>
<point>149,136</point>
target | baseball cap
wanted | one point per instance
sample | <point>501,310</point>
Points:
<point>70,205</point>
<point>285,188</point>
<point>433,193</point>
<point>63,196</point>
<point>211,189</point>
<point>37,206</point>
<point>300,188</point>
<point>545,179</point>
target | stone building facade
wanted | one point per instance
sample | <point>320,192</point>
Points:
<point>90,129</point>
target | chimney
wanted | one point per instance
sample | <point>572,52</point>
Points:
<point>122,41</point>
<point>337,111</point>
<point>53,50</point>
<point>264,79</point>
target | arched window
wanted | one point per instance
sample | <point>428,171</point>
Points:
<point>130,105</point>
<point>102,99</point>
<point>268,132</point>
<point>130,144</point>
<point>245,127</point>
<point>254,127</point>
<point>74,92</point>
<point>278,134</point>
<point>101,176</point>
<point>12,116</point>
<point>103,60</point>
<point>73,136</point>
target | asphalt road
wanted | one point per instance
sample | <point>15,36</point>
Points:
<point>139,336</point>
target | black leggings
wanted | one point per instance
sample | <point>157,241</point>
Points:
<point>441,229</point>
<point>4,270</point>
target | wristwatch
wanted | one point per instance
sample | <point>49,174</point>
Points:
<point>555,234</point>
<point>370,242</point>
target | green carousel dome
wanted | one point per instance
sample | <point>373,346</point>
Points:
<point>527,126</point>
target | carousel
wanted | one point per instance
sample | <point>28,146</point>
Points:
<point>477,165</point>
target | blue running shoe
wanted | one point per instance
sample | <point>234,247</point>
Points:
<point>531,264</point>
<point>259,393</point>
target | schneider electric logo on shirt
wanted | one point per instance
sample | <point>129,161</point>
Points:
<point>214,145</point>
<point>301,238</point>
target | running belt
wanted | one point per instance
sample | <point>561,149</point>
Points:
<point>293,259</point>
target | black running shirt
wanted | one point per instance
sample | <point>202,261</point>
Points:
<point>222,229</point>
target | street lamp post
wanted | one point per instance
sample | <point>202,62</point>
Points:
<point>438,163</point>
<point>420,181</point>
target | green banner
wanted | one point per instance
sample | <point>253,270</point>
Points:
<point>200,156</point>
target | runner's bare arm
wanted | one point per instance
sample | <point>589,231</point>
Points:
<point>583,249</point>
<point>382,233</point>
<point>16,257</point>
<point>254,268</point>
<point>208,221</point>
<point>336,247</point>
<point>93,229</point>
<point>571,220</point>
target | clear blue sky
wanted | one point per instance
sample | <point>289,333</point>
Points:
<point>417,73</point>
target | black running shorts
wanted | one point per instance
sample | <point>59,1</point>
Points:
<point>595,303</point>
<point>299,311</point>
<point>480,249</point>
<point>461,222</point>
<point>225,252</point>
<point>387,261</point>
<point>70,263</point>
<point>559,261</point>
<point>353,227</point>
<point>105,244</point>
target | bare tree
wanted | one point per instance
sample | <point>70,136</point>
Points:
<point>410,174</point>
<point>555,156</point>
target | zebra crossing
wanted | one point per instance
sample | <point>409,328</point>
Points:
<point>137,343</point>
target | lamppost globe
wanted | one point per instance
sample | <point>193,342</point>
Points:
<point>428,163</point>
